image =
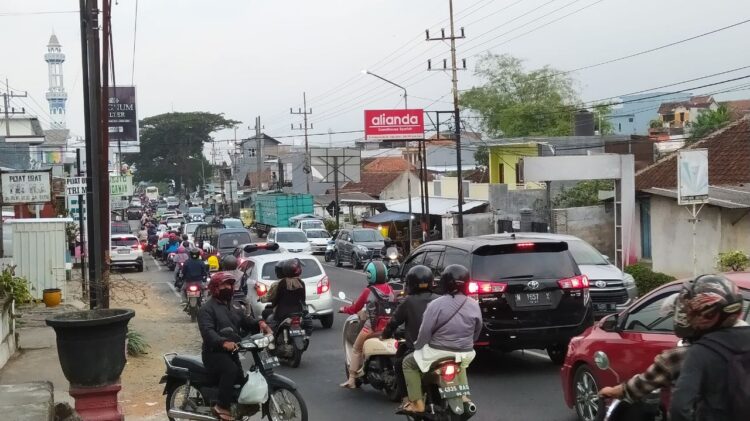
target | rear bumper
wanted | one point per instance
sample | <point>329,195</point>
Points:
<point>138,261</point>
<point>536,337</point>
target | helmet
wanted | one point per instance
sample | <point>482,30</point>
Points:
<point>228,262</point>
<point>184,237</point>
<point>290,268</point>
<point>376,272</point>
<point>705,304</point>
<point>213,263</point>
<point>181,250</point>
<point>453,278</point>
<point>172,236</point>
<point>186,244</point>
<point>218,279</point>
<point>195,253</point>
<point>419,278</point>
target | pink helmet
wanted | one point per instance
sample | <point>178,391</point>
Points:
<point>181,250</point>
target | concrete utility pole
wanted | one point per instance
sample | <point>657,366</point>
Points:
<point>454,76</point>
<point>259,150</point>
<point>304,112</point>
<point>7,95</point>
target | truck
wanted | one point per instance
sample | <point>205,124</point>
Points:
<point>273,210</point>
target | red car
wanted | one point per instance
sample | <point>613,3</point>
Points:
<point>631,340</point>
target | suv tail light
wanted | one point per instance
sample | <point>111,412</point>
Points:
<point>474,288</point>
<point>576,282</point>
<point>261,289</point>
<point>324,285</point>
<point>449,371</point>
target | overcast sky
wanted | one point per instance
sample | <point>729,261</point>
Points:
<point>246,58</point>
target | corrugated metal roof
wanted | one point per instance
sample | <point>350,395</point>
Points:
<point>438,205</point>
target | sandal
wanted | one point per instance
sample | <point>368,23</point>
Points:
<point>222,413</point>
<point>410,407</point>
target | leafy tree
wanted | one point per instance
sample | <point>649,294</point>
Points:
<point>172,146</point>
<point>482,156</point>
<point>585,193</point>
<point>515,102</point>
<point>709,121</point>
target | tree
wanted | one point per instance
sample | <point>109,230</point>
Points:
<point>172,146</point>
<point>585,193</point>
<point>709,121</point>
<point>515,102</point>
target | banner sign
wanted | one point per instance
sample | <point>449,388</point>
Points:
<point>123,119</point>
<point>120,185</point>
<point>26,187</point>
<point>118,204</point>
<point>75,186</point>
<point>692,176</point>
<point>394,124</point>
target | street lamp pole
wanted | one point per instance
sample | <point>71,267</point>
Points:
<point>408,178</point>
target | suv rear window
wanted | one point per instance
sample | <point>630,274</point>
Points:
<point>539,260</point>
<point>124,242</point>
<point>309,270</point>
<point>233,239</point>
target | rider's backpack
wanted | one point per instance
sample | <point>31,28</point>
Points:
<point>380,310</point>
<point>737,375</point>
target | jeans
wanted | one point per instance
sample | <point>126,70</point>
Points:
<point>229,370</point>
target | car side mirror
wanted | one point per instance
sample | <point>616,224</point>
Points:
<point>605,257</point>
<point>611,323</point>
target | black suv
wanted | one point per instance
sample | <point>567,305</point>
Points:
<point>530,290</point>
<point>358,245</point>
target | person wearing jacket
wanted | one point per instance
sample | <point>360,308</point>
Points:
<point>710,307</point>
<point>450,326</point>
<point>409,313</point>
<point>287,295</point>
<point>218,354</point>
<point>377,289</point>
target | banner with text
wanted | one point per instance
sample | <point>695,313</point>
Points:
<point>26,187</point>
<point>123,120</point>
<point>120,185</point>
<point>75,186</point>
<point>394,124</point>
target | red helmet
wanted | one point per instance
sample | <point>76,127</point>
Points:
<point>218,279</point>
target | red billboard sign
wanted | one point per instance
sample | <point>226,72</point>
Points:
<point>394,124</point>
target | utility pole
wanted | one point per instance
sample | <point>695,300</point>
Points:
<point>81,227</point>
<point>103,174</point>
<point>304,112</point>
<point>454,76</point>
<point>7,95</point>
<point>259,150</point>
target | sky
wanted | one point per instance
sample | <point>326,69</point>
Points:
<point>248,58</point>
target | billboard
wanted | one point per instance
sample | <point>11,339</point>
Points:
<point>22,187</point>
<point>394,124</point>
<point>123,119</point>
<point>120,185</point>
<point>692,176</point>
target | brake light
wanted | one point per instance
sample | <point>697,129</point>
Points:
<point>261,289</point>
<point>295,321</point>
<point>474,288</point>
<point>324,285</point>
<point>576,282</point>
<point>193,288</point>
<point>448,372</point>
<point>525,246</point>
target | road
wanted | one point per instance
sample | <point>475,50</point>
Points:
<point>515,386</point>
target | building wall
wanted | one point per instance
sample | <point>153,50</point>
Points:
<point>449,189</point>
<point>508,157</point>
<point>633,117</point>
<point>399,188</point>
<point>593,224</point>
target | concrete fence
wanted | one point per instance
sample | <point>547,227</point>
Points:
<point>8,340</point>
<point>593,224</point>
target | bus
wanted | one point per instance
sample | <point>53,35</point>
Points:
<point>152,193</point>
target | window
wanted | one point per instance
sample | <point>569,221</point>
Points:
<point>518,174</point>
<point>682,117</point>
<point>630,120</point>
<point>317,234</point>
<point>437,188</point>
<point>124,242</point>
<point>544,260</point>
<point>310,268</point>
<point>361,236</point>
<point>454,256</point>
<point>413,261</point>
<point>432,259</point>
<point>291,237</point>
<point>619,127</point>
<point>501,174</point>
<point>233,239</point>
<point>585,254</point>
<point>650,317</point>
<point>246,267</point>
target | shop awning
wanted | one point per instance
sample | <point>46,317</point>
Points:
<point>388,216</point>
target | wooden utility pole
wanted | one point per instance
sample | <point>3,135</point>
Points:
<point>304,112</point>
<point>7,110</point>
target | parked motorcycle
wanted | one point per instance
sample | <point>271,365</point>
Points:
<point>190,388</point>
<point>194,292</point>
<point>379,356</point>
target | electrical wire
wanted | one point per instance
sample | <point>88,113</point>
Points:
<point>135,33</point>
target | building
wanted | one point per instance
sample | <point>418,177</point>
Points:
<point>25,133</point>
<point>247,157</point>
<point>738,108</point>
<point>632,114</point>
<point>56,95</point>
<point>505,163</point>
<point>664,231</point>
<point>679,114</point>
<point>388,178</point>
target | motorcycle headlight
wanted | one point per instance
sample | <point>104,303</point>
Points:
<point>262,342</point>
<point>362,249</point>
<point>392,254</point>
<point>628,280</point>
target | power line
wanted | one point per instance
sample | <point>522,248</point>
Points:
<point>135,33</point>
<point>38,13</point>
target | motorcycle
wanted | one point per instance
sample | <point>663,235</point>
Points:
<point>647,409</point>
<point>190,388</point>
<point>291,339</point>
<point>444,394</point>
<point>392,263</point>
<point>330,251</point>
<point>170,261</point>
<point>194,292</point>
<point>379,356</point>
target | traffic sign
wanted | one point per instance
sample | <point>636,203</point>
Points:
<point>75,186</point>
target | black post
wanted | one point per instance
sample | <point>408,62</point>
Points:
<point>458,174</point>
<point>81,226</point>
<point>336,189</point>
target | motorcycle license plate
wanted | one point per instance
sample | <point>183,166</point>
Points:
<point>296,332</point>
<point>268,361</point>
<point>453,391</point>
<point>193,293</point>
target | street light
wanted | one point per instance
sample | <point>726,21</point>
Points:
<point>406,101</point>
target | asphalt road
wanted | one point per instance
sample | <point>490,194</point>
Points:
<point>515,386</point>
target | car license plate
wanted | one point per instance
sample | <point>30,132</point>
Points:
<point>268,361</point>
<point>529,299</point>
<point>296,332</point>
<point>123,251</point>
<point>193,293</point>
<point>605,306</point>
<point>453,391</point>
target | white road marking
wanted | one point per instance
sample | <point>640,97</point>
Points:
<point>158,267</point>
<point>169,284</point>
<point>536,354</point>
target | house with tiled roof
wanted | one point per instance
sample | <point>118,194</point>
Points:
<point>737,108</point>
<point>678,115</point>
<point>386,178</point>
<point>665,228</point>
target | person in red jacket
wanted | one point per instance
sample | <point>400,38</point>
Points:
<point>377,289</point>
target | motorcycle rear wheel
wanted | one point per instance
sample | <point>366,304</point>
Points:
<point>286,405</point>
<point>175,399</point>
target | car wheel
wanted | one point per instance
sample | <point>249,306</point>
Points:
<point>327,321</point>
<point>355,262</point>
<point>557,353</point>
<point>588,405</point>
<point>140,268</point>
<point>337,258</point>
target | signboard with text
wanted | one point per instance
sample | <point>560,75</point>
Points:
<point>120,185</point>
<point>692,176</point>
<point>394,124</point>
<point>123,119</point>
<point>23,187</point>
<point>75,186</point>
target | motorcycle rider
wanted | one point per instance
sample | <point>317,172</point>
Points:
<point>450,326</point>
<point>288,295</point>
<point>409,313</point>
<point>712,308</point>
<point>377,289</point>
<point>218,354</point>
<point>194,270</point>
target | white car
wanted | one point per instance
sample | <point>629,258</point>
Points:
<point>125,251</point>
<point>175,222</point>
<point>190,229</point>
<point>172,202</point>
<point>318,239</point>
<point>136,203</point>
<point>292,240</point>
<point>259,273</point>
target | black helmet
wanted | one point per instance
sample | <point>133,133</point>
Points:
<point>186,244</point>
<point>184,237</point>
<point>708,303</point>
<point>453,279</point>
<point>228,262</point>
<point>419,278</point>
<point>290,268</point>
<point>195,253</point>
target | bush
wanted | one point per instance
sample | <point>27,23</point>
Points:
<point>14,286</point>
<point>734,260</point>
<point>646,279</point>
<point>137,344</point>
<point>330,225</point>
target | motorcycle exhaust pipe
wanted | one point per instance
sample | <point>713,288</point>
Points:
<point>470,409</point>
<point>186,415</point>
